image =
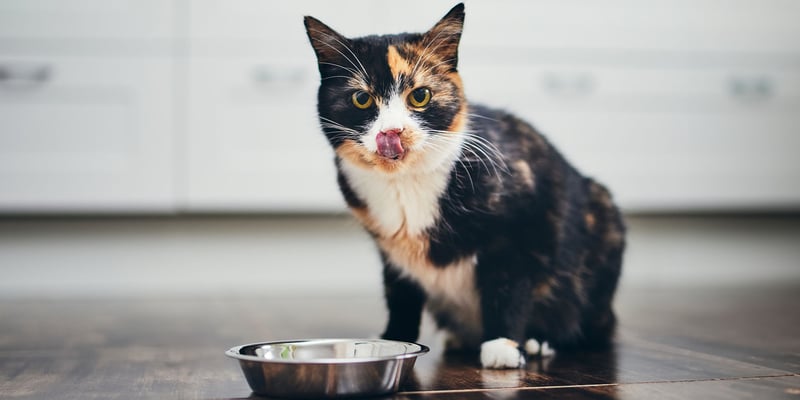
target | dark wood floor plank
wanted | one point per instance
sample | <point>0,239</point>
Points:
<point>173,348</point>
<point>787,387</point>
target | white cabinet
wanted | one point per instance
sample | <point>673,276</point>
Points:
<point>680,106</point>
<point>95,20</point>
<point>253,141</point>
<point>88,135</point>
<point>700,138</point>
<point>87,116</point>
<point>209,105</point>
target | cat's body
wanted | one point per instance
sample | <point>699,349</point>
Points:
<point>477,217</point>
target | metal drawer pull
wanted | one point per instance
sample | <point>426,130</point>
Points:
<point>265,75</point>
<point>19,74</point>
<point>750,88</point>
<point>581,84</point>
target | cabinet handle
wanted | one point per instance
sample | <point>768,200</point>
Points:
<point>750,88</point>
<point>268,75</point>
<point>569,84</point>
<point>19,74</point>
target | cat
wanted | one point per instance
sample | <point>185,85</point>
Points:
<point>477,217</point>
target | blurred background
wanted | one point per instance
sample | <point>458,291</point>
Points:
<point>171,147</point>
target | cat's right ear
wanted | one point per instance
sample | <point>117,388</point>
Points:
<point>328,44</point>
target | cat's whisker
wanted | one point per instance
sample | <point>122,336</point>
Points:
<point>337,126</point>
<point>364,70</point>
<point>480,116</point>
<point>341,132</point>
<point>330,121</point>
<point>485,143</point>
<point>432,144</point>
<point>355,70</point>
<point>425,50</point>
<point>469,114</point>
<point>438,64</point>
<point>467,147</point>
<point>483,150</point>
<point>475,152</point>
<point>352,71</point>
<point>337,76</point>
<point>496,160</point>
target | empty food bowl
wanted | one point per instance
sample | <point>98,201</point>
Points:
<point>316,368</point>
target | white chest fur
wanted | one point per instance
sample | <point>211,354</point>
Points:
<point>400,209</point>
<point>407,202</point>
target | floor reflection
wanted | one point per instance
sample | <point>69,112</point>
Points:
<point>456,371</point>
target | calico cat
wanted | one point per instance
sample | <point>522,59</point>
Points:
<point>477,217</point>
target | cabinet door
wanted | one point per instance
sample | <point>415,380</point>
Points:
<point>86,135</point>
<point>664,139</point>
<point>253,138</point>
<point>685,27</point>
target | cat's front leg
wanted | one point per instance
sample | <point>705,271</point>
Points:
<point>505,306</point>
<point>404,300</point>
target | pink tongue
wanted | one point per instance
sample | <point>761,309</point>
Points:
<point>389,144</point>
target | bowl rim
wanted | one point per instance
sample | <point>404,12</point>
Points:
<point>235,352</point>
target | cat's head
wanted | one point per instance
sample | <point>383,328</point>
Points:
<point>392,103</point>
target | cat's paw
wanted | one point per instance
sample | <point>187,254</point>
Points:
<point>534,348</point>
<point>501,353</point>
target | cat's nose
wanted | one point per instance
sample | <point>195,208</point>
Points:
<point>392,131</point>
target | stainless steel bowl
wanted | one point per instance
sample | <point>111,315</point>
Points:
<point>326,367</point>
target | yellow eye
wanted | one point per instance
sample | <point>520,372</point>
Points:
<point>362,99</point>
<point>419,97</point>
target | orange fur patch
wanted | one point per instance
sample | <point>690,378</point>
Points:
<point>410,251</point>
<point>524,173</point>
<point>351,151</point>
<point>357,154</point>
<point>544,290</point>
<point>403,249</point>
<point>397,64</point>
<point>590,221</point>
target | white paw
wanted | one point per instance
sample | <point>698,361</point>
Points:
<point>501,353</point>
<point>533,348</point>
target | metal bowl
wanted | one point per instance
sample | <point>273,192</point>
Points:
<point>326,367</point>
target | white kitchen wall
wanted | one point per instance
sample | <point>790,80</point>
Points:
<point>165,107</point>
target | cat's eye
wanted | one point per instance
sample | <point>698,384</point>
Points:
<point>419,97</point>
<point>362,99</point>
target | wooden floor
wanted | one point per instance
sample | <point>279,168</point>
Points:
<point>672,344</point>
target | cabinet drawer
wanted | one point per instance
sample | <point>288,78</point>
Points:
<point>601,88</point>
<point>663,138</point>
<point>86,135</point>
<point>253,138</point>
<point>86,19</point>
<point>683,160</point>
<point>681,25</point>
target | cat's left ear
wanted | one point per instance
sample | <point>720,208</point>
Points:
<point>328,44</point>
<point>445,35</point>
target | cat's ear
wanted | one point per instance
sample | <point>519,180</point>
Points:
<point>328,44</point>
<point>445,35</point>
